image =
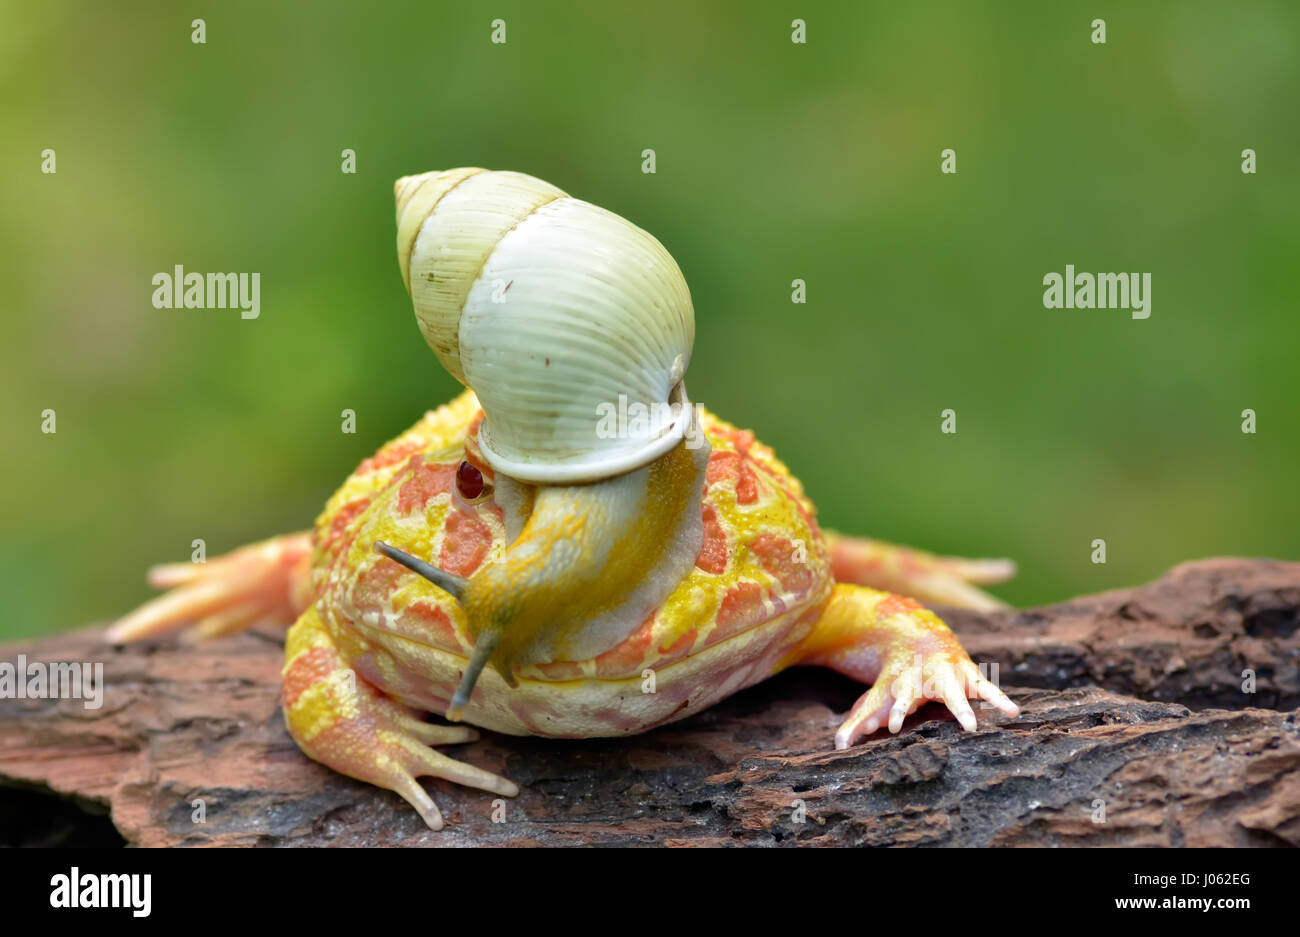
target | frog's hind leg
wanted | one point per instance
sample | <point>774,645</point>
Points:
<point>904,651</point>
<point>941,580</point>
<point>261,582</point>
<point>345,723</point>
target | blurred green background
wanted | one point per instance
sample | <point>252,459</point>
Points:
<point>775,161</point>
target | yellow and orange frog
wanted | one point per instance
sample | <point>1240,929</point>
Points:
<point>376,645</point>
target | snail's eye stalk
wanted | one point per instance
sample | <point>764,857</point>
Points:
<point>440,578</point>
<point>486,642</point>
<point>483,650</point>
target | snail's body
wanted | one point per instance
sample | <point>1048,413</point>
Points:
<point>609,592</point>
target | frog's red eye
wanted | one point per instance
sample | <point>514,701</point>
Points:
<point>469,481</point>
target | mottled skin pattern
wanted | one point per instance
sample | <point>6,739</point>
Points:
<point>376,645</point>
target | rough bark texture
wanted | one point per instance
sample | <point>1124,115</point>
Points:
<point>1135,730</point>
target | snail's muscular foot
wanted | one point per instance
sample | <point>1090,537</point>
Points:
<point>345,723</point>
<point>908,655</point>
<point>262,582</point>
<point>940,580</point>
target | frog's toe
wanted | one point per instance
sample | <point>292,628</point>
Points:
<point>980,687</point>
<point>398,752</point>
<point>895,695</point>
<point>867,716</point>
<point>397,758</point>
<point>942,580</point>
<point>258,583</point>
<point>903,688</point>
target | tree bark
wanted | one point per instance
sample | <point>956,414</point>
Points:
<point>1139,727</point>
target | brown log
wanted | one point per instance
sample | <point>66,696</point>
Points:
<point>1189,637</point>
<point>1135,730</point>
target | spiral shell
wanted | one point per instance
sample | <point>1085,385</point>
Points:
<point>562,317</point>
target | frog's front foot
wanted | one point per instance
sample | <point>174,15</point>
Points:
<point>343,722</point>
<point>908,655</point>
<point>261,582</point>
<point>908,680</point>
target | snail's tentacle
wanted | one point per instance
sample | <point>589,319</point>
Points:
<point>454,585</point>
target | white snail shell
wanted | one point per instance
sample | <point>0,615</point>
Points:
<point>550,309</point>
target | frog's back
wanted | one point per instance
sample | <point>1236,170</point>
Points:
<point>758,583</point>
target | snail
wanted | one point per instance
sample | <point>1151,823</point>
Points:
<point>550,309</point>
<point>518,561</point>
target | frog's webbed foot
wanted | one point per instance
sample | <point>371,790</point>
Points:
<point>940,580</point>
<point>261,582</point>
<point>908,655</point>
<point>345,723</point>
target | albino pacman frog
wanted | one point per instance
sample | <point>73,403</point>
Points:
<point>570,548</point>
